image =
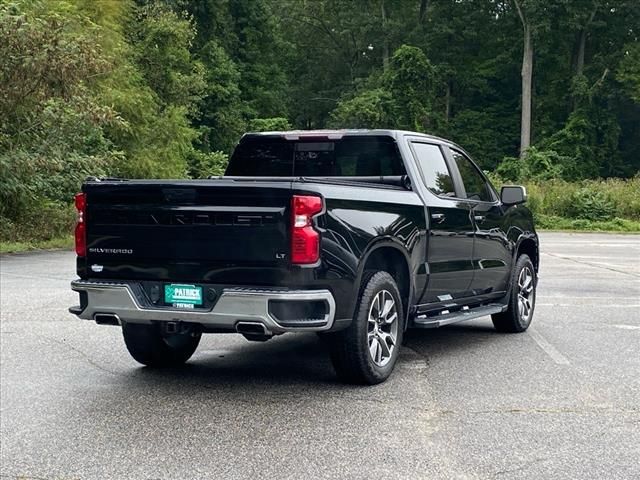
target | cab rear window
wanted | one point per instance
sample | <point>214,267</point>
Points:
<point>355,156</point>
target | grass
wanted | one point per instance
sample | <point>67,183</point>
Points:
<point>620,225</point>
<point>65,243</point>
<point>41,226</point>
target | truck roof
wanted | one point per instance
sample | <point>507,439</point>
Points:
<point>339,133</point>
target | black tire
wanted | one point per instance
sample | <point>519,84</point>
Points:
<point>519,313</point>
<point>148,346</point>
<point>352,349</point>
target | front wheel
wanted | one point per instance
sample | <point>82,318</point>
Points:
<point>149,346</point>
<point>367,350</point>
<point>522,299</point>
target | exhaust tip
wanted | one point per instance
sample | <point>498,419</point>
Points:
<point>254,331</point>
<point>107,319</point>
<point>252,328</point>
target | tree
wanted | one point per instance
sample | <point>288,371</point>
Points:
<point>371,108</point>
<point>223,115</point>
<point>51,120</point>
<point>411,82</point>
<point>628,73</point>
<point>163,39</point>
<point>527,77</point>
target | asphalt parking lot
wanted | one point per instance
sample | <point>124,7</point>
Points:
<point>560,401</point>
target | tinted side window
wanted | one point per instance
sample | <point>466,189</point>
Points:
<point>434,169</point>
<point>474,183</point>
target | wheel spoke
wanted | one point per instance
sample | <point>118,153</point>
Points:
<point>385,352</point>
<point>388,305</point>
<point>388,339</point>
<point>375,306</point>
<point>374,346</point>
<point>392,318</point>
<point>520,306</point>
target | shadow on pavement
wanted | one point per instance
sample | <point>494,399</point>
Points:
<point>444,341</point>
<point>301,359</point>
<point>293,360</point>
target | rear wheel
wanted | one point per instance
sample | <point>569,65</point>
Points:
<point>522,299</point>
<point>149,346</point>
<point>367,350</point>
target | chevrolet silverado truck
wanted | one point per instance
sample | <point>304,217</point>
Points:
<point>356,234</point>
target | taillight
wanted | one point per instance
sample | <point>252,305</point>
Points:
<point>81,228</point>
<point>305,240</point>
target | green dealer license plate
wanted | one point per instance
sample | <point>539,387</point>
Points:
<point>183,296</point>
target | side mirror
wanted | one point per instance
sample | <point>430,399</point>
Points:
<point>406,182</point>
<point>513,194</point>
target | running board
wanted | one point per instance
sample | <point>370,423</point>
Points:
<point>440,320</point>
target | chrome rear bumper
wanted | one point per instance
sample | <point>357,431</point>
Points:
<point>235,305</point>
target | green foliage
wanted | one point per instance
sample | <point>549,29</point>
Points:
<point>58,243</point>
<point>269,124</point>
<point>534,165</point>
<point>629,70</point>
<point>588,143</point>
<point>164,155</point>
<point>589,204</point>
<point>369,109</point>
<point>594,200</point>
<point>475,131</point>
<point>401,98</point>
<point>51,121</point>
<point>623,225</point>
<point>410,81</point>
<point>40,220</point>
<point>165,88</point>
<point>204,165</point>
<point>222,121</point>
<point>163,40</point>
<point>259,53</point>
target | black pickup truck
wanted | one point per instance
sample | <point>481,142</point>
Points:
<point>355,234</point>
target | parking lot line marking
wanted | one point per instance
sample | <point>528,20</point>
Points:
<point>590,305</point>
<point>549,349</point>
<point>588,297</point>
<point>627,327</point>
<point>591,264</point>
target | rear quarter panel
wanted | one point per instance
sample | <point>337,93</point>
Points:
<point>359,220</point>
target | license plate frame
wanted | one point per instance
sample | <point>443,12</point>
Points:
<point>183,295</point>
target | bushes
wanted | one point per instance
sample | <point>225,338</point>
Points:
<point>203,165</point>
<point>39,221</point>
<point>535,165</point>
<point>589,199</point>
<point>269,124</point>
<point>611,204</point>
<point>589,204</point>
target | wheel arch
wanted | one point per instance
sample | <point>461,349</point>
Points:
<point>528,245</point>
<point>391,257</point>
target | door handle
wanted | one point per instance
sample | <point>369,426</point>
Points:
<point>438,217</point>
<point>479,218</point>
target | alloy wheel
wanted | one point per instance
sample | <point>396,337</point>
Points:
<point>382,332</point>
<point>526,294</point>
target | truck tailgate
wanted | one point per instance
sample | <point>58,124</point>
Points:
<point>212,222</point>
